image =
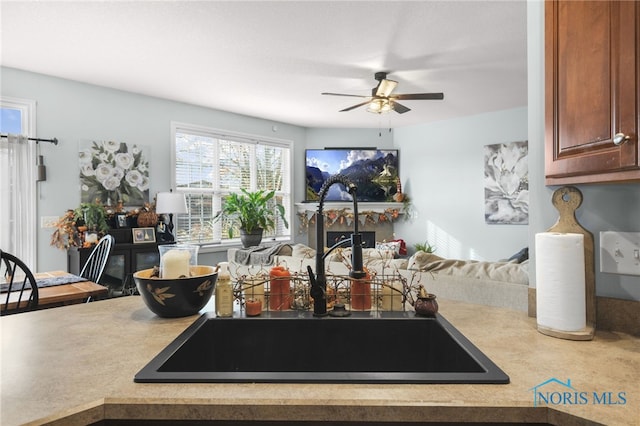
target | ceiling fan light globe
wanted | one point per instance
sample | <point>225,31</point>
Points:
<point>380,106</point>
<point>374,106</point>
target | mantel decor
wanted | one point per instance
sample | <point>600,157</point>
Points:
<point>384,212</point>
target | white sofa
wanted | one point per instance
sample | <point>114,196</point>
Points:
<point>500,284</point>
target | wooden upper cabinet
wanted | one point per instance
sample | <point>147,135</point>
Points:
<point>592,63</point>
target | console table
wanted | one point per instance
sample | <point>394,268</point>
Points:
<point>125,259</point>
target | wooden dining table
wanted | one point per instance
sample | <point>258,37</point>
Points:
<point>59,295</point>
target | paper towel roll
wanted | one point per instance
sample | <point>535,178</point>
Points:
<point>560,281</point>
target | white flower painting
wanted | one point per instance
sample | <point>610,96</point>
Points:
<point>506,183</point>
<point>114,171</point>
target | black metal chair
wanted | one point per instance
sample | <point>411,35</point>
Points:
<point>17,279</point>
<point>97,260</point>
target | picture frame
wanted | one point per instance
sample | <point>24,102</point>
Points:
<point>95,155</point>
<point>506,183</point>
<point>143,235</point>
<point>121,220</point>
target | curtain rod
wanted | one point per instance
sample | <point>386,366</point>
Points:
<point>53,141</point>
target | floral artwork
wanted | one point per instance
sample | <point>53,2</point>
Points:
<point>506,183</point>
<point>114,171</point>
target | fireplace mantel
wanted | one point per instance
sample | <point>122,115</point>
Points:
<point>375,218</point>
<point>363,207</point>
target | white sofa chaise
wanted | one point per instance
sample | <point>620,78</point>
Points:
<point>500,284</point>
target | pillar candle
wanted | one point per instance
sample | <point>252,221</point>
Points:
<point>279,288</point>
<point>254,288</point>
<point>392,296</point>
<point>175,264</point>
<point>254,307</point>
<point>361,294</point>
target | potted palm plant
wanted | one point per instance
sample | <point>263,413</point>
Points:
<point>252,213</point>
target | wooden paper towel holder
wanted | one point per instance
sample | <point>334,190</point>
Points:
<point>567,200</point>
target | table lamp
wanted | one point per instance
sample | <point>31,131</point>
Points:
<point>170,203</point>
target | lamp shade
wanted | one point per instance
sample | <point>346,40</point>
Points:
<point>171,202</point>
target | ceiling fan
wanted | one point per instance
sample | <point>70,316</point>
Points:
<point>381,99</point>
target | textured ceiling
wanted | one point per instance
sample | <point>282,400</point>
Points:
<point>273,59</point>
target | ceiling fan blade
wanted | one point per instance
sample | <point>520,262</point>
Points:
<point>381,99</point>
<point>345,94</point>
<point>411,96</point>
<point>385,87</point>
<point>399,108</point>
<point>354,106</point>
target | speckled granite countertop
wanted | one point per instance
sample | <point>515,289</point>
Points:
<point>75,365</point>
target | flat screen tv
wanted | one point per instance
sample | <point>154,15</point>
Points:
<point>373,171</point>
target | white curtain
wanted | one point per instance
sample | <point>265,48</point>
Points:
<point>18,198</point>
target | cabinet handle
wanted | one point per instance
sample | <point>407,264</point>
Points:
<point>620,138</point>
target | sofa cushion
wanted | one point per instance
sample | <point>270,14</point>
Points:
<point>496,271</point>
<point>300,250</point>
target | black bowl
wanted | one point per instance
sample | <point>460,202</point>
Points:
<point>178,297</point>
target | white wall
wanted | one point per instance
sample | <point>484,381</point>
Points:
<point>318,138</point>
<point>442,169</point>
<point>75,112</point>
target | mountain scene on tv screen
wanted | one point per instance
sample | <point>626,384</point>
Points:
<point>374,172</point>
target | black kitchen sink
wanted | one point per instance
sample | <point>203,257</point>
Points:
<point>295,347</point>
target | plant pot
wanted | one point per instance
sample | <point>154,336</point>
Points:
<point>251,239</point>
<point>426,306</point>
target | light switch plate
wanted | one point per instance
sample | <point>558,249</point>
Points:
<point>620,252</point>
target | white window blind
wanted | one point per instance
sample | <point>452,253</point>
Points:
<point>209,164</point>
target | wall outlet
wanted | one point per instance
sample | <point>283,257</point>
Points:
<point>620,252</point>
<point>48,221</point>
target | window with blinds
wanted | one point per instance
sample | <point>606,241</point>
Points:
<point>209,164</point>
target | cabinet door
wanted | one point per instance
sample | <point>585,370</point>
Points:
<point>117,267</point>
<point>145,258</point>
<point>591,73</point>
<point>76,258</point>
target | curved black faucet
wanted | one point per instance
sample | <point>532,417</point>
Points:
<point>319,280</point>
